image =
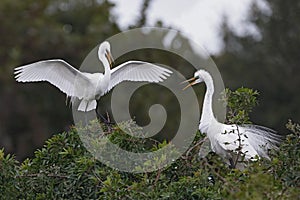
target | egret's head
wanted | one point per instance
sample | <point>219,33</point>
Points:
<point>104,53</point>
<point>198,78</point>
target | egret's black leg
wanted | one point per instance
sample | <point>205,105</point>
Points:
<point>104,120</point>
<point>101,116</point>
<point>232,165</point>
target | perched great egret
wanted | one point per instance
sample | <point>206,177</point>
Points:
<point>232,142</point>
<point>89,87</point>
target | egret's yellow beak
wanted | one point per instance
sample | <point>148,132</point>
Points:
<point>193,81</point>
<point>109,58</point>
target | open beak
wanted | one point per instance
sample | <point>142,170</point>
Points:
<point>109,58</point>
<point>191,82</point>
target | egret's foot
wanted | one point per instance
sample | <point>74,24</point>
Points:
<point>107,121</point>
<point>102,118</point>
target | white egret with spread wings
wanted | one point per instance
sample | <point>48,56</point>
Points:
<point>89,87</point>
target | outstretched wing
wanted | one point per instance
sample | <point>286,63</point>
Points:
<point>137,71</point>
<point>57,72</point>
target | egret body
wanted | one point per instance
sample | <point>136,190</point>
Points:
<point>89,87</point>
<point>230,140</point>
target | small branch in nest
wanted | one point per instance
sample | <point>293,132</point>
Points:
<point>157,177</point>
<point>239,149</point>
<point>190,149</point>
<point>40,175</point>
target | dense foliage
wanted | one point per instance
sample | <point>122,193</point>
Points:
<point>64,169</point>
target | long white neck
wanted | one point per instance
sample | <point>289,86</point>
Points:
<point>106,77</point>
<point>103,52</point>
<point>207,116</point>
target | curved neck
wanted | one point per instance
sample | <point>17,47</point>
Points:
<point>106,70</point>
<point>207,116</point>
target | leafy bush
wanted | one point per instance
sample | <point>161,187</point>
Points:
<point>239,104</point>
<point>8,171</point>
<point>64,169</point>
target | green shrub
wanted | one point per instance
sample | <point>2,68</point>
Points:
<point>64,169</point>
<point>239,104</point>
<point>8,171</point>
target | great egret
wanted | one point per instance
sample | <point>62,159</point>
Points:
<point>89,87</point>
<point>232,142</point>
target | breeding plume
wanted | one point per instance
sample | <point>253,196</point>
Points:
<point>232,142</point>
<point>89,87</point>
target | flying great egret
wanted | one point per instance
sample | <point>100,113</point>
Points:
<point>232,142</point>
<point>89,87</point>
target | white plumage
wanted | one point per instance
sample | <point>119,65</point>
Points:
<point>89,87</point>
<point>250,141</point>
<point>137,71</point>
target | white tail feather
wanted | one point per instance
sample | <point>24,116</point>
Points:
<point>86,105</point>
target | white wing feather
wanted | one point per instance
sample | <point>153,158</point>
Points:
<point>261,135</point>
<point>137,71</point>
<point>255,139</point>
<point>57,72</point>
